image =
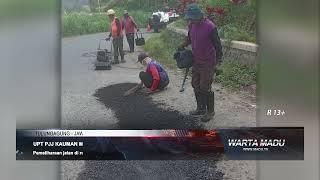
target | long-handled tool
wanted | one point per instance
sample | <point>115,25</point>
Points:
<point>184,79</point>
<point>133,90</point>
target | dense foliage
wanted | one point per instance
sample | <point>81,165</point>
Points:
<point>235,19</point>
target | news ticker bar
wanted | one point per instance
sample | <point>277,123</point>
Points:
<point>103,133</point>
<point>278,143</point>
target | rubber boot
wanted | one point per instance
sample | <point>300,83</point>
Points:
<point>210,107</point>
<point>200,106</point>
<point>115,60</point>
<point>122,59</point>
<point>132,48</point>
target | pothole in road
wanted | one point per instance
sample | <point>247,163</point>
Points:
<point>138,111</point>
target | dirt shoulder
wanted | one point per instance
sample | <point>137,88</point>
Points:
<point>233,109</point>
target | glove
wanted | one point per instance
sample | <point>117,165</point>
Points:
<point>108,39</point>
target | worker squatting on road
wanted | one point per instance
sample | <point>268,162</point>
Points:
<point>207,53</point>
<point>155,78</point>
<point>129,26</point>
<point>117,36</point>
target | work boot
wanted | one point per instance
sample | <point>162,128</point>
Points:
<point>200,106</point>
<point>115,60</point>
<point>210,108</point>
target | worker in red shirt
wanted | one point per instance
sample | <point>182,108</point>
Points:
<point>155,78</point>
<point>117,36</point>
<point>129,26</point>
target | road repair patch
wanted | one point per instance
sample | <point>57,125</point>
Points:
<point>138,111</point>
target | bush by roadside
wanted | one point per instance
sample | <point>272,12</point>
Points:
<point>235,19</point>
<point>228,32</point>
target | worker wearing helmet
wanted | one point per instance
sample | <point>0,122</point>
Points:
<point>129,26</point>
<point>117,36</point>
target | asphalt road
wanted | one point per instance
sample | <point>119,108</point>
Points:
<point>82,110</point>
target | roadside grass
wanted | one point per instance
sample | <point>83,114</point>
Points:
<point>180,23</point>
<point>162,47</point>
<point>80,23</point>
<point>235,75</point>
<point>158,49</point>
<point>83,23</point>
<point>231,74</point>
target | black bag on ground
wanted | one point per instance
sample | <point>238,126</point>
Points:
<point>140,40</point>
<point>184,58</point>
